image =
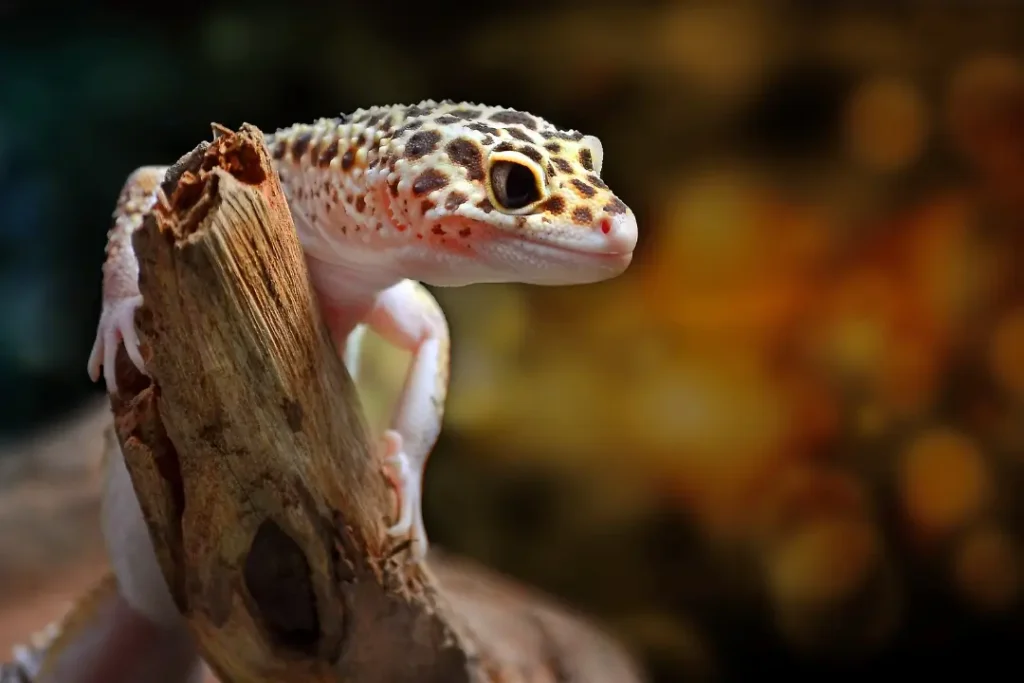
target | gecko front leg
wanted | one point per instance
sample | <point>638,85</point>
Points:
<point>121,297</point>
<point>409,317</point>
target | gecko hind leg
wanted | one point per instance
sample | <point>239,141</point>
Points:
<point>409,317</point>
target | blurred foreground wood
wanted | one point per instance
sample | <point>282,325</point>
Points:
<point>51,546</point>
<point>249,453</point>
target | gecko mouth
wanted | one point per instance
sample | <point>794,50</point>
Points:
<point>582,251</point>
<point>542,262</point>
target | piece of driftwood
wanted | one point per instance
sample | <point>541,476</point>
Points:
<point>267,506</point>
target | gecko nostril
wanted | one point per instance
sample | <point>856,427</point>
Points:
<point>606,226</point>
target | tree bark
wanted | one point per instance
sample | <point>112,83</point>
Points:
<point>249,453</point>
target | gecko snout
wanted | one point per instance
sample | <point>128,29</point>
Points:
<point>620,231</point>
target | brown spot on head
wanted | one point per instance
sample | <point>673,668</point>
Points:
<point>553,147</point>
<point>584,190</point>
<point>314,151</point>
<point>393,187</point>
<point>422,143</point>
<point>437,230</point>
<point>410,125</point>
<point>519,134</point>
<point>465,114</point>
<point>485,205</point>
<point>429,181</point>
<point>486,140</point>
<point>562,165</point>
<point>465,232</point>
<point>504,147</point>
<point>483,128</point>
<point>597,182</point>
<point>454,200</point>
<point>466,153</point>
<point>551,169</point>
<point>347,159</point>
<point>447,119</point>
<point>280,147</point>
<point>531,152</point>
<point>300,144</point>
<point>615,206</point>
<point>582,215</point>
<point>328,154</point>
<point>426,205</point>
<point>586,159</point>
<point>553,205</point>
<point>515,117</point>
<point>360,203</point>
<point>416,110</point>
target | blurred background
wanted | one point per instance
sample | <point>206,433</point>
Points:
<point>789,440</point>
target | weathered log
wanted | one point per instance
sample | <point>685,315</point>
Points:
<point>248,451</point>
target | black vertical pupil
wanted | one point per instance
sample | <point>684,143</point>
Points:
<point>520,186</point>
<point>514,185</point>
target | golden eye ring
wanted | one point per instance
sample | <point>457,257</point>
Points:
<point>515,182</point>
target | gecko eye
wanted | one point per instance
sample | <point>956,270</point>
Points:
<point>515,183</point>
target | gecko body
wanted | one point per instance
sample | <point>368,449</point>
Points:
<point>386,200</point>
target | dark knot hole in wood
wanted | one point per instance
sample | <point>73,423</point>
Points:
<point>277,576</point>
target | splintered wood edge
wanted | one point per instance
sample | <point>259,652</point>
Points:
<point>455,623</point>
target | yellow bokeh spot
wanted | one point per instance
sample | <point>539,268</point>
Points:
<point>822,562</point>
<point>945,481</point>
<point>886,124</point>
<point>1006,353</point>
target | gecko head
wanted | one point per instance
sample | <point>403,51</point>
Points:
<point>512,196</point>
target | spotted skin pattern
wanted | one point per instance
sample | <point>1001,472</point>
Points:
<point>386,200</point>
<point>402,182</point>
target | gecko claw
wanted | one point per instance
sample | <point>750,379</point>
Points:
<point>117,323</point>
<point>406,483</point>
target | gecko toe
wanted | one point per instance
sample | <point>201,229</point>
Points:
<point>117,325</point>
<point>131,345</point>
<point>400,529</point>
<point>419,540</point>
<point>110,354</point>
<point>93,365</point>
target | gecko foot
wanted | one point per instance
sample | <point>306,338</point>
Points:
<point>407,484</point>
<point>117,323</point>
